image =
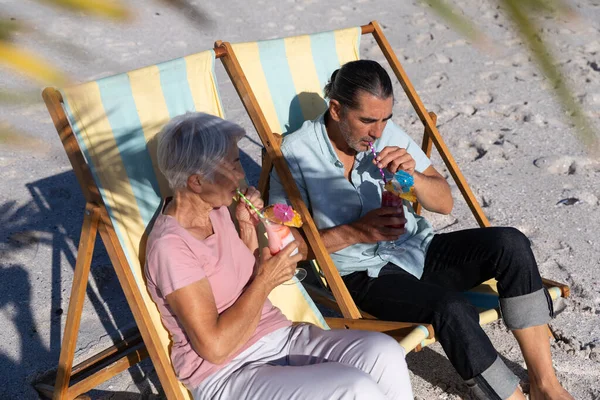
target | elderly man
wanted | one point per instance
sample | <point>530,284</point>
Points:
<point>420,278</point>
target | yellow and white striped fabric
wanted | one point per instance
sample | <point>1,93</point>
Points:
<point>115,121</point>
<point>287,76</point>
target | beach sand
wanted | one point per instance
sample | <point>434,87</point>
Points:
<point>496,113</point>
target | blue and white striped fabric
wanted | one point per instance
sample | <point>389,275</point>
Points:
<point>115,121</point>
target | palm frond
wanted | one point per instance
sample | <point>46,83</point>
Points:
<point>521,13</point>
<point>7,28</point>
<point>190,11</point>
<point>550,6</point>
<point>13,98</point>
<point>459,23</point>
<point>104,8</point>
<point>527,29</point>
<point>29,64</point>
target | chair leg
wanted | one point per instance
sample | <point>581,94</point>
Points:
<point>80,279</point>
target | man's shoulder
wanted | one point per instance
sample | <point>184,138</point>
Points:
<point>301,137</point>
<point>393,127</point>
<point>394,135</point>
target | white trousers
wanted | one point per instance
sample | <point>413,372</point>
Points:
<point>306,362</point>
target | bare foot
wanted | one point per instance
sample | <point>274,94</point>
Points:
<point>553,392</point>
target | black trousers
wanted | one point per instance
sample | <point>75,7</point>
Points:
<point>455,262</point>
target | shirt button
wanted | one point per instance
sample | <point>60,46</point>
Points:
<point>339,164</point>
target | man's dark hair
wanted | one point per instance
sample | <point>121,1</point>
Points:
<point>355,76</point>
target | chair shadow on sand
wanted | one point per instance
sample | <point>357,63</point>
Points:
<point>53,218</point>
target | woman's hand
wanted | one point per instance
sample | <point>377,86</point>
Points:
<point>272,271</point>
<point>243,212</point>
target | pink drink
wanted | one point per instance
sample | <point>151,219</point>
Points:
<point>389,199</point>
<point>278,236</point>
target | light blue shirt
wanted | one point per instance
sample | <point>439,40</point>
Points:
<point>333,200</point>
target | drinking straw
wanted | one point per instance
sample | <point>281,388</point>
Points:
<point>256,210</point>
<point>374,157</point>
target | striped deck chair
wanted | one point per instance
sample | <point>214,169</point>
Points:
<point>108,130</point>
<point>281,82</point>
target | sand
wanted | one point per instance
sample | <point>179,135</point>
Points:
<point>496,113</point>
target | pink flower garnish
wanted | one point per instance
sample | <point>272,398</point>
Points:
<point>283,212</point>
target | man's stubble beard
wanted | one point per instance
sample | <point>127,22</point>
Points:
<point>354,144</point>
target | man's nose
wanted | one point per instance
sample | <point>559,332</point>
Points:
<point>377,130</point>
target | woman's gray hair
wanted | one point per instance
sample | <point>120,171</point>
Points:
<point>194,143</point>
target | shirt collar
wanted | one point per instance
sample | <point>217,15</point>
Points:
<point>325,143</point>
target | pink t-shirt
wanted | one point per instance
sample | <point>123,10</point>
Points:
<point>174,259</point>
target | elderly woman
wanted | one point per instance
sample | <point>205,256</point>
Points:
<point>211,288</point>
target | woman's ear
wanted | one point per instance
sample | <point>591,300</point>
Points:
<point>335,110</point>
<point>194,183</point>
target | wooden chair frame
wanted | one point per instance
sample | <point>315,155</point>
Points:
<point>273,157</point>
<point>72,381</point>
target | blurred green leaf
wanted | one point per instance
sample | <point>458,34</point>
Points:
<point>528,29</point>
<point>7,97</point>
<point>8,135</point>
<point>17,139</point>
<point>104,8</point>
<point>29,64</point>
<point>457,21</point>
<point>192,12</point>
<point>7,28</point>
<point>551,6</point>
<point>522,14</point>
<point>35,67</point>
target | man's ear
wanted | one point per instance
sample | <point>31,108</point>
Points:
<point>335,110</point>
<point>194,183</point>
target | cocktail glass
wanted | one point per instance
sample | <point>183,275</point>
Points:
<point>389,199</point>
<point>278,237</point>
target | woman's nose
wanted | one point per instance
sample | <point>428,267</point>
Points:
<point>240,174</point>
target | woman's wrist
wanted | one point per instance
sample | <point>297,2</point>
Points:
<point>248,234</point>
<point>247,226</point>
<point>260,284</point>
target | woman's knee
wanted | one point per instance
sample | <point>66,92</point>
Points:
<point>382,344</point>
<point>379,352</point>
<point>389,367</point>
<point>359,385</point>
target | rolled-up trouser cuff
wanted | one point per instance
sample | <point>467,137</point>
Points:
<point>495,383</point>
<point>531,309</point>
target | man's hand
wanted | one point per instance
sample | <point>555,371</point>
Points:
<point>381,224</point>
<point>395,159</point>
